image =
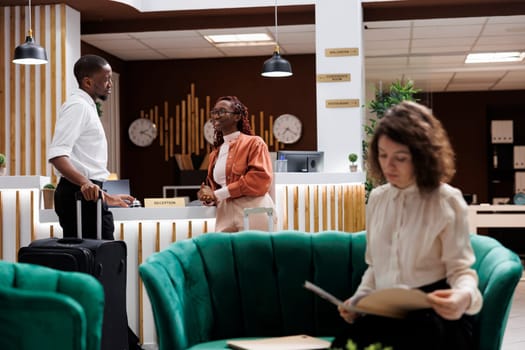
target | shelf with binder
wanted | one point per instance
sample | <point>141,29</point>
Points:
<point>505,152</point>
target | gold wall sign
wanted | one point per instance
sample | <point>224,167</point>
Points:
<point>344,51</point>
<point>346,103</point>
<point>330,78</point>
<point>164,202</point>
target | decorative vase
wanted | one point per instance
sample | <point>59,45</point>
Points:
<point>353,168</point>
<point>2,170</point>
<point>49,198</point>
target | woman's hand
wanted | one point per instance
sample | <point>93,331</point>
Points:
<point>206,195</point>
<point>348,316</point>
<point>450,304</point>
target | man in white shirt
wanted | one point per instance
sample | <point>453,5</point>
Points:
<point>78,152</point>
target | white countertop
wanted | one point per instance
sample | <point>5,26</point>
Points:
<point>141,214</point>
<point>21,182</point>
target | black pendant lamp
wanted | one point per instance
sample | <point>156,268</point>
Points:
<point>29,52</point>
<point>276,66</point>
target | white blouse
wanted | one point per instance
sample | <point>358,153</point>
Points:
<point>416,239</point>
<point>219,171</point>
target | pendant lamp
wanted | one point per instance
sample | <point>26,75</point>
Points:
<point>29,52</point>
<point>276,66</point>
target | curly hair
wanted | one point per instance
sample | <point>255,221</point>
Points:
<point>413,125</point>
<point>243,125</point>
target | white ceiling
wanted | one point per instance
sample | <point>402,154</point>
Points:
<point>429,52</point>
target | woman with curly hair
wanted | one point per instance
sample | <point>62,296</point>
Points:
<point>240,171</point>
<point>417,237</point>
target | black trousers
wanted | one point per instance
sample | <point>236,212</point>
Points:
<point>422,329</point>
<point>66,209</point>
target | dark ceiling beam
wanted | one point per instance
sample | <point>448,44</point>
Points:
<point>205,19</point>
<point>428,9</point>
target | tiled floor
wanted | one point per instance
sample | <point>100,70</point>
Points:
<point>514,338</point>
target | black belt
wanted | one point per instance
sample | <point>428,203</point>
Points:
<point>96,182</point>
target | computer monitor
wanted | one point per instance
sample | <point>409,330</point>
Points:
<point>302,161</point>
<point>117,186</point>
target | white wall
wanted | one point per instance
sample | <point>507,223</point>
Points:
<point>339,130</point>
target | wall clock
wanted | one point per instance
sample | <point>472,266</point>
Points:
<point>209,131</point>
<point>287,128</point>
<point>142,132</point>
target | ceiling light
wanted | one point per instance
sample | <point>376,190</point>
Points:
<point>238,39</point>
<point>29,52</point>
<point>276,66</point>
<point>494,57</point>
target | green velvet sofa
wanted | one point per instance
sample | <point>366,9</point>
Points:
<point>46,309</point>
<point>216,287</point>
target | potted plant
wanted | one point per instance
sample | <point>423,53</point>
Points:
<point>48,194</point>
<point>3,164</point>
<point>350,345</point>
<point>352,157</point>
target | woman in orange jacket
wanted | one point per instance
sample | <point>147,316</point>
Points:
<point>240,171</point>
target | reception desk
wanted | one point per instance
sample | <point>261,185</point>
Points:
<point>310,202</point>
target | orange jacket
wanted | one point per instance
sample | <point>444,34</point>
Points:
<point>248,167</point>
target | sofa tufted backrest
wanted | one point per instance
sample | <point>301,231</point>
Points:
<point>249,284</point>
<point>43,308</point>
<point>220,285</point>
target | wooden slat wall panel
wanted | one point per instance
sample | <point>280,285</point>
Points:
<point>25,126</point>
<point>53,75</point>
<point>2,89</point>
<point>324,201</point>
<point>22,92</point>
<point>140,287</point>
<point>43,104</point>
<point>316,208</point>
<point>307,215</point>
<point>332,207</point>
<point>18,220</point>
<point>12,100</point>
<point>296,208</point>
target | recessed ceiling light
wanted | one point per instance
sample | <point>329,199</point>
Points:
<point>240,39</point>
<point>493,57</point>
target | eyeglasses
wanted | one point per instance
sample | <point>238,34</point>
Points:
<point>221,112</point>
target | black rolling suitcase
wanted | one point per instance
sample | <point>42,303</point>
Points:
<point>104,259</point>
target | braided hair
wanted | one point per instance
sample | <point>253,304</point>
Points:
<point>243,125</point>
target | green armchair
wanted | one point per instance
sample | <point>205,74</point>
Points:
<point>46,309</point>
<point>216,287</point>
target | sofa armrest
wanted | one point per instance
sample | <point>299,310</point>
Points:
<point>169,318</point>
<point>34,319</point>
<point>178,290</point>
<point>499,271</point>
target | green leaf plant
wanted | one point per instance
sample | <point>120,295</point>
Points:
<point>397,92</point>
<point>350,345</point>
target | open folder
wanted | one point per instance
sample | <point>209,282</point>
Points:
<point>294,342</point>
<point>391,302</point>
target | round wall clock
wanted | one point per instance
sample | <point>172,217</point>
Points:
<point>287,128</point>
<point>142,132</point>
<point>209,131</point>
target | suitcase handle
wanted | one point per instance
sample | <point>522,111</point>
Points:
<point>79,196</point>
